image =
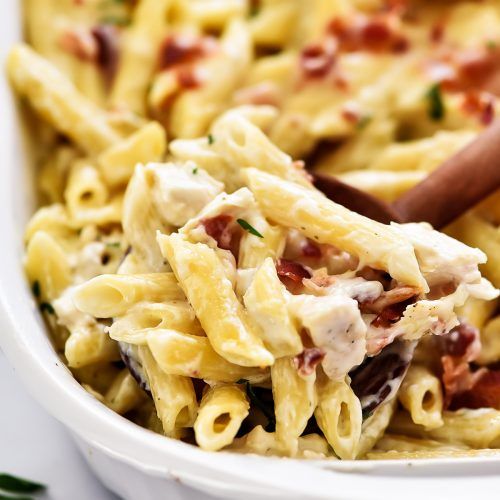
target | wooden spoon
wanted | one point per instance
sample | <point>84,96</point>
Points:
<point>457,185</point>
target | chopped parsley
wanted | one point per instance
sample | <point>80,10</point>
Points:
<point>436,110</point>
<point>491,44</point>
<point>247,227</point>
<point>35,288</point>
<point>195,170</point>
<point>210,139</point>
<point>47,307</point>
<point>113,244</point>
<point>14,484</point>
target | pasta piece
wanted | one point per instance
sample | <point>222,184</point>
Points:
<point>384,184</point>
<point>117,163</point>
<point>124,394</point>
<point>192,356</point>
<point>419,454</point>
<point>260,442</point>
<point>139,56</point>
<point>475,428</point>
<point>58,102</point>
<point>214,14</point>
<point>194,110</point>
<point>324,221</point>
<point>112,295</point>
<point>294,402</point>
<point>88,344</point>
<point>243,144</point>
<point>421,395</point>
<point>373,427</point>
<point>174,396</point>
<point>141,317</point>
<point>47,264</point>
<point>254,251</point>
<point>141,220</point>
<point>490,342</point>
<point>202,277</point>
<point>476,232</point>
<point>222,410</point>
<point>266,303</point>
<point>339,416</point>
<point>85,188</point>
<point>397,443</point>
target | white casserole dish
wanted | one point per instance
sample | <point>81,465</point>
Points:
<point>136,463</point>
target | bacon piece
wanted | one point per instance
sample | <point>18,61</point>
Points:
<point>317,60</point>
<point>187,77</point>
<point>399,294</point>
<point>483,393</point>
<point>219,228</point>
<point>308,359</point>
<point>106,37</point>
<point>291,274</point>
<point>458,348</point>
<point>183,49</point>
<point>375,34</point>
<point>480,104</point>
<point>436,33</point>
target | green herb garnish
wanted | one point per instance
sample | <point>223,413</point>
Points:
<point>210,139</point>
<point>195,170</point>
<point>35,288</point>
<point>15,484</point>
<point>436,109</point>
<point>365,413</point>
<point>491,44</point>
<point>47,307</point>
<point>261,405</point>
<point>247,227</point>
<point>114,244</point>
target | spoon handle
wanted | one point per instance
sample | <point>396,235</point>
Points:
<point>457,185</point>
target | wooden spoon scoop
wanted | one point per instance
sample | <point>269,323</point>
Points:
<point>457,185</point>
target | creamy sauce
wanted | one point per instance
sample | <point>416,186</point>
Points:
<point>335,325</point>
<point>182,190</point>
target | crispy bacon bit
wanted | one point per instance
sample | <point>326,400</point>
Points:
<point>80,43</point>
<point>483,393</point>
<point>187,77</point>
<point>376,34</point>
<point>436,33</point>
<point>183,49</point>
<point>401,294</point>
<point>458,348</point>
<point>461,342</point>
<point>220,229</point>
<point>306,362</point>
<point>291,274</point>
<point>480,105</point>
<point>106,37</point>
<point>317,60</point>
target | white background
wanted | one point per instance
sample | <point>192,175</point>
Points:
<point>36,446</point>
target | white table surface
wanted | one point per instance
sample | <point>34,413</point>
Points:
<point>34,445</point>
